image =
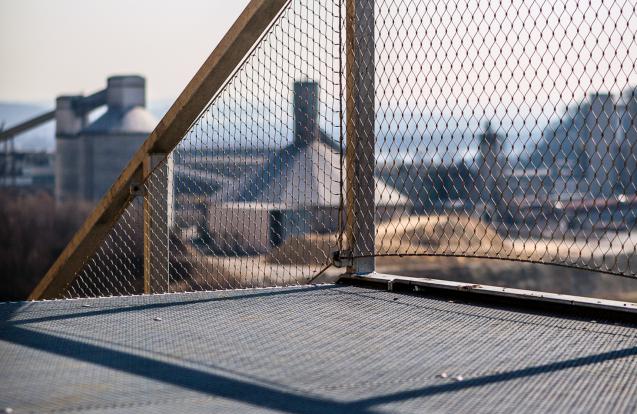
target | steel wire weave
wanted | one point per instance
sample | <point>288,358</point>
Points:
<point>502,130</point>
<point>251,195</point>
<point>511,129</point>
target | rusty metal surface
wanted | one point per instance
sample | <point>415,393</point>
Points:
<point>328,348</point>
<point>420,283</point>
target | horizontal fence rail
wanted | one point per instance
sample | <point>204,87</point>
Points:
<point>375,134</point>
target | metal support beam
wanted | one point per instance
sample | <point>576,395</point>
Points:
<point>26,125</point>
<point>158,216</point>
<point>359,152</point>
<point>543,298</point>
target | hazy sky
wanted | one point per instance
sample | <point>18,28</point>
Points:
<point>68,46</point>
<point>555,52</point>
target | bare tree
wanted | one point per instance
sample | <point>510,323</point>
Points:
<point>33,232</point>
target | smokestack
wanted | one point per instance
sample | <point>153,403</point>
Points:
<point>306,126</point>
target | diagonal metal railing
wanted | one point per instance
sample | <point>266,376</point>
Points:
<point>209,79</point>
<point>363,133</point>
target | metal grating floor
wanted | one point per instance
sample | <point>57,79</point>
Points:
<point>321,349</point>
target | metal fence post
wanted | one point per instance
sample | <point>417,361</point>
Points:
<point>158,206</point>
<point>359,152</point>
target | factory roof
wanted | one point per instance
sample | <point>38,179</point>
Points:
<point>303,173</point>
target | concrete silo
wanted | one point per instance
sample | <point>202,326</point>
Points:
<point>90,157</point>
<point>69,121</point>
<point>600,138</point>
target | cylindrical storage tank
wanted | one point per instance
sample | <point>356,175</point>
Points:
<point>68,122</point>
<point>629,143</point>
<point>126,91</point>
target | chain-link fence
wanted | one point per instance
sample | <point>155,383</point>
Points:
<point>360,129</point>
<point>251,195</point>
<point>511,128</point>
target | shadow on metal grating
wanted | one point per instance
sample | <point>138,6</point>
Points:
<point>309,349</point>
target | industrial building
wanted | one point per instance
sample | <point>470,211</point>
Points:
<point>491,191</point>
<point>27,171</point>
<point>90,156</point>
<point>297,191</point>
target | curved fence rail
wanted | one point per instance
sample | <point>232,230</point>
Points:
<point>358,130</point>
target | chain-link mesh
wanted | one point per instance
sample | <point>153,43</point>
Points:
<point>397,128</point>
<point>251,195</point>
<point>116,266</point>
<point>510,126</point>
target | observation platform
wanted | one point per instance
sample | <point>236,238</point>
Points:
<point>310,349</point>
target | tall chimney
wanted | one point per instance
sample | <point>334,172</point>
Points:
<point>306,126</point>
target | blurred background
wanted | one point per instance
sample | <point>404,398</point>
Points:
<point>507,169</point>
<point>70,48</point>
